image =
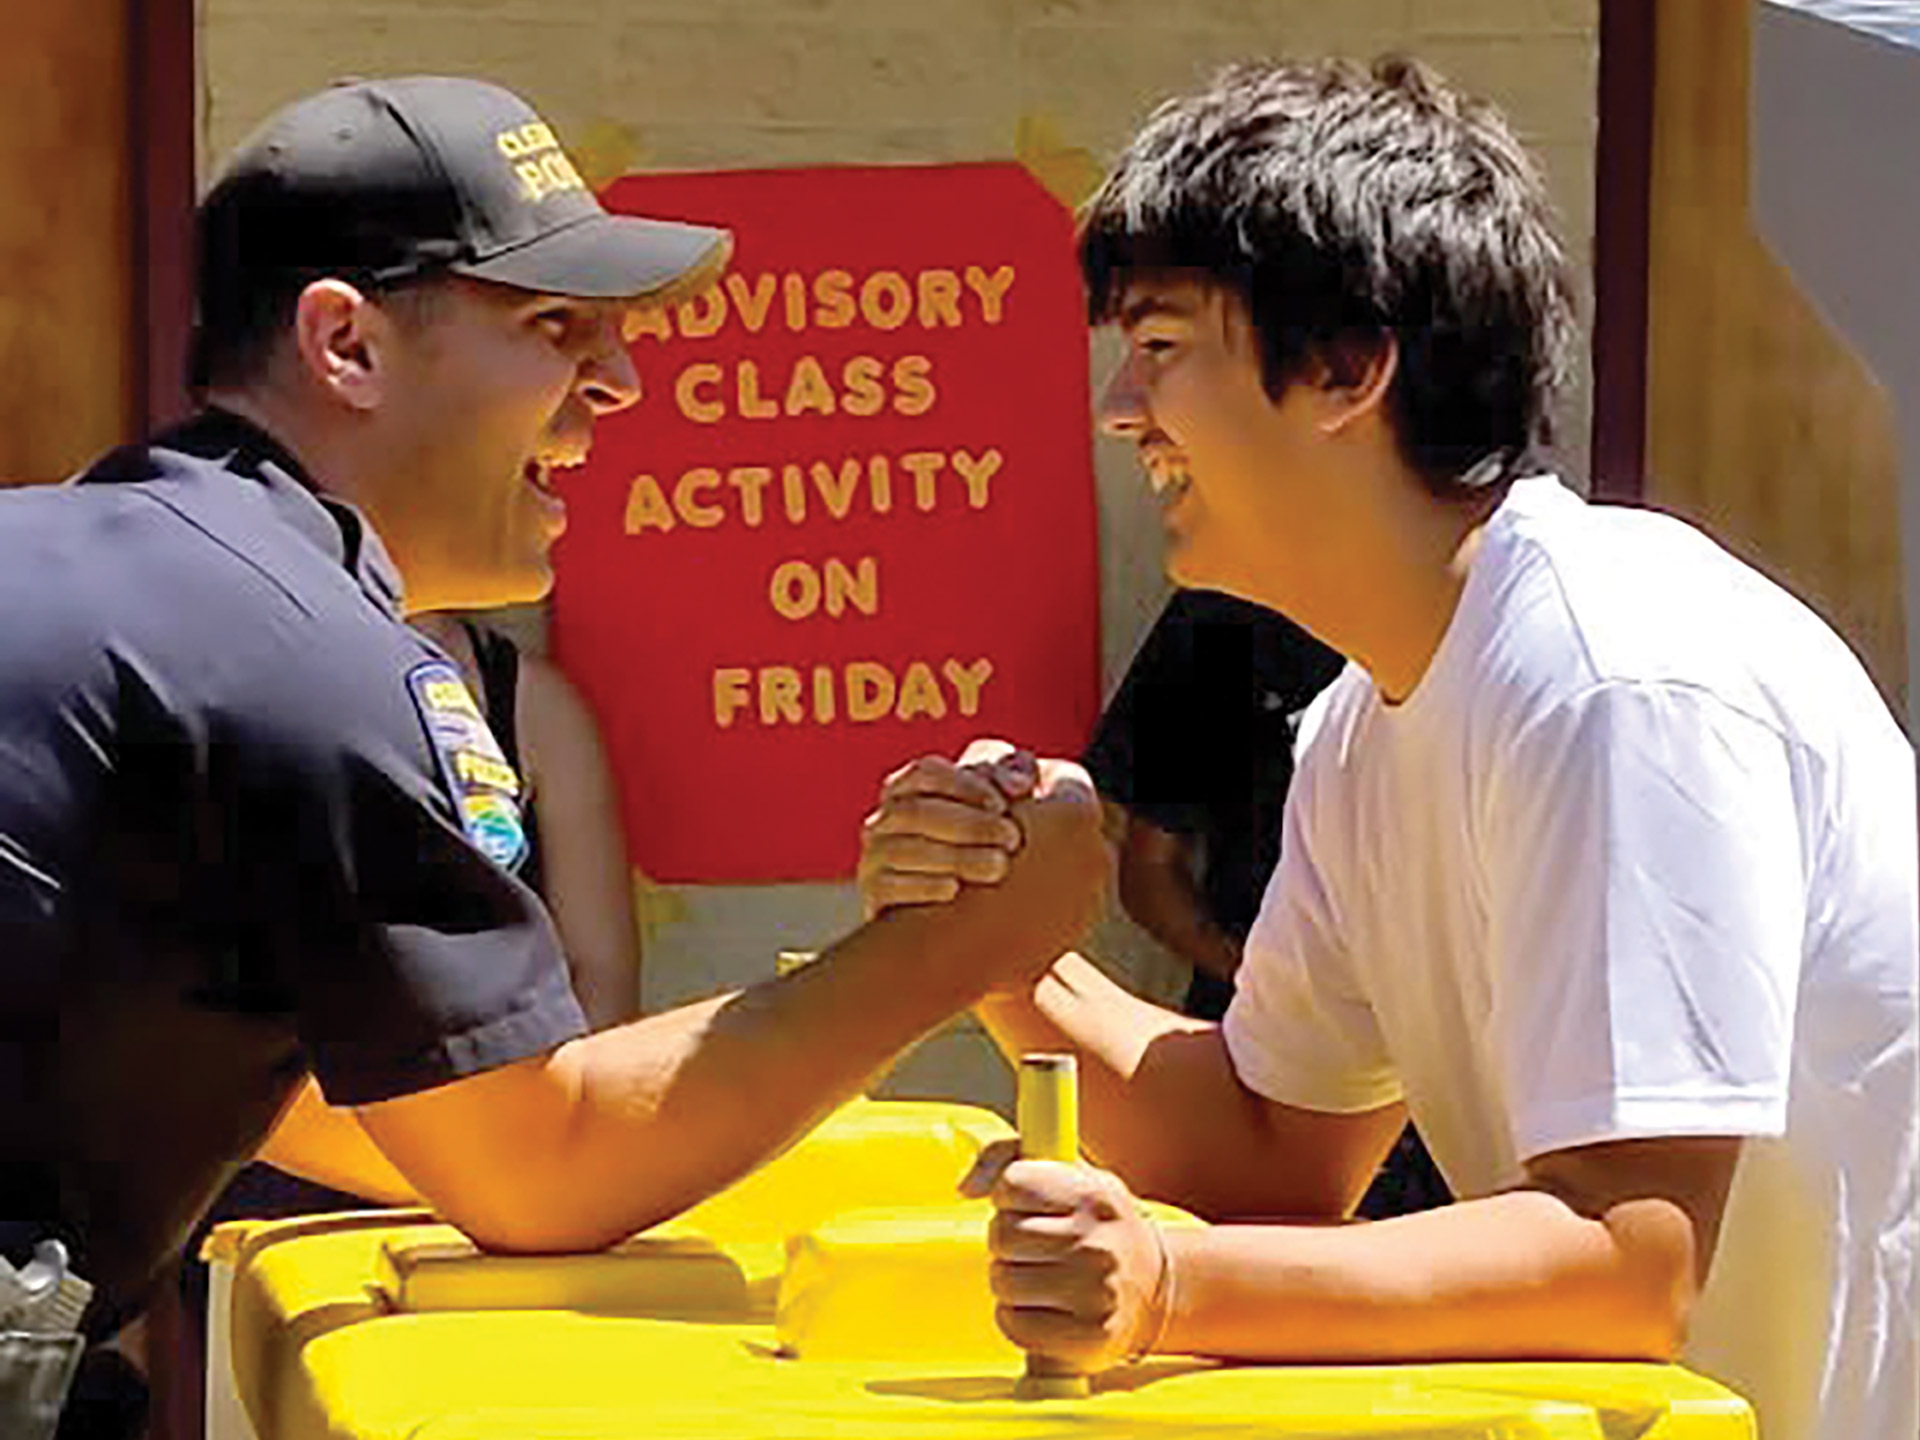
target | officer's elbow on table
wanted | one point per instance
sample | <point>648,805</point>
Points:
<point>546,1209</point>
<point>508,1233</point>
<point>496,1155</point>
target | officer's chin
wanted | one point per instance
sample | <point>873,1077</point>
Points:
<point>491,589</point>
<point>528,588</point>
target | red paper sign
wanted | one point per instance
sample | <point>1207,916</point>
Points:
<point>851,520</point>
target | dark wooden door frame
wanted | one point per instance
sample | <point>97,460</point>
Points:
<point>1623,187</point>
<point>163,90</point>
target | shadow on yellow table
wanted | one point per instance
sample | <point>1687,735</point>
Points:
<point>838,1292</point>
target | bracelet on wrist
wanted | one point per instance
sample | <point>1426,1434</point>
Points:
<point>1153,1327</point>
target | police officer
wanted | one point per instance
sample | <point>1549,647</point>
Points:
<point>253,827</point>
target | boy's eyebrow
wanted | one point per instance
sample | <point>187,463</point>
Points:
<point>1143,306</point>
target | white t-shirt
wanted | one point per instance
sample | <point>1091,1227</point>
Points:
<point>1636,858</point>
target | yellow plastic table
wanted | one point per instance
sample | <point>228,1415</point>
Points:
<point>839,1292</point>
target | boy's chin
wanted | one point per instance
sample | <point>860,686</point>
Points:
<point>1182,568</point>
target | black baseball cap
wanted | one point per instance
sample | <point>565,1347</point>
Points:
<point>381,181</point>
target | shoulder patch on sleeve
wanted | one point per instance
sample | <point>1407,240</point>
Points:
<point>485,788</point>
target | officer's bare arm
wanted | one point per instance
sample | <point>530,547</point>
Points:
<point>617,1130</point>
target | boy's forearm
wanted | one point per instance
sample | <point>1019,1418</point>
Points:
<point>1159,1103</point>
<point>1515,1276</point>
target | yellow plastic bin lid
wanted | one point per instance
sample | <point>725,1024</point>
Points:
<point>546,1376</point>
<point>665,1276</point>
<point>233,1241</point>
<point>906,1284</point>
<point>297,1279</point>
<point>321,1354</point>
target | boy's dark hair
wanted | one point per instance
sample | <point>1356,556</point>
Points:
<point>1342,206</point>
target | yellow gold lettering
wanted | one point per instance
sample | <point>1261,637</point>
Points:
<point>685,393</point>
<point>729,694</point>
<point>978,474</point>
<point>753,405</point>
<point>837,490</point>
<point>450,695</point>
<point>925,466</point>
<point>920,694</point>
<point>939,298</point>
<point>862,380</point>
<point>834,290</point>
<point>968,681</point>
<point>793,491</point>
<point>808,389</point>
<point>880,484</point>
<point>752,304</point>
<point>687,504</point>
<point>780,695</point>
<point>992,290</point>
<point>861,586</point>
<point>870,691</point>
<point>886,300</point>
<point>750,481</point>
<point>793,290</point>
<point>913,385</point>
<point>794,591</point>
<point>647,508</point>
<point>703,315</point>
<point>533,180</point>
<point>823,708</point>
<point>647,320</point>
<point>559,174</point>
<point>483,770</point>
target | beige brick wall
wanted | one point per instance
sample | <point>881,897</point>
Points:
<point>718,84</point>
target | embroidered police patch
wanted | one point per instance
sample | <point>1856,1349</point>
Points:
<point>486,790</point>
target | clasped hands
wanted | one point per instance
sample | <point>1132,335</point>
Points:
<point>1013,842</point>
<point>1078,1272</point>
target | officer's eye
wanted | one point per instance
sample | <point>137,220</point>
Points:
<point>555,321</point>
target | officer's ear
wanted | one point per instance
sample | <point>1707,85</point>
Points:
<point>335,329</point>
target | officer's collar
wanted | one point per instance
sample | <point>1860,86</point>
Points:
<point>239,445</point>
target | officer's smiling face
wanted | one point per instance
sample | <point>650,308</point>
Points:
<point>489,392</point>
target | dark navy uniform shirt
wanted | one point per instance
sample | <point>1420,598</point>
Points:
<point>250,827</point>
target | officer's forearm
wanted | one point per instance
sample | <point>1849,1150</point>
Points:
<point>615,1131</point>
<point>671,1113</point>
<point>661,1113</point>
